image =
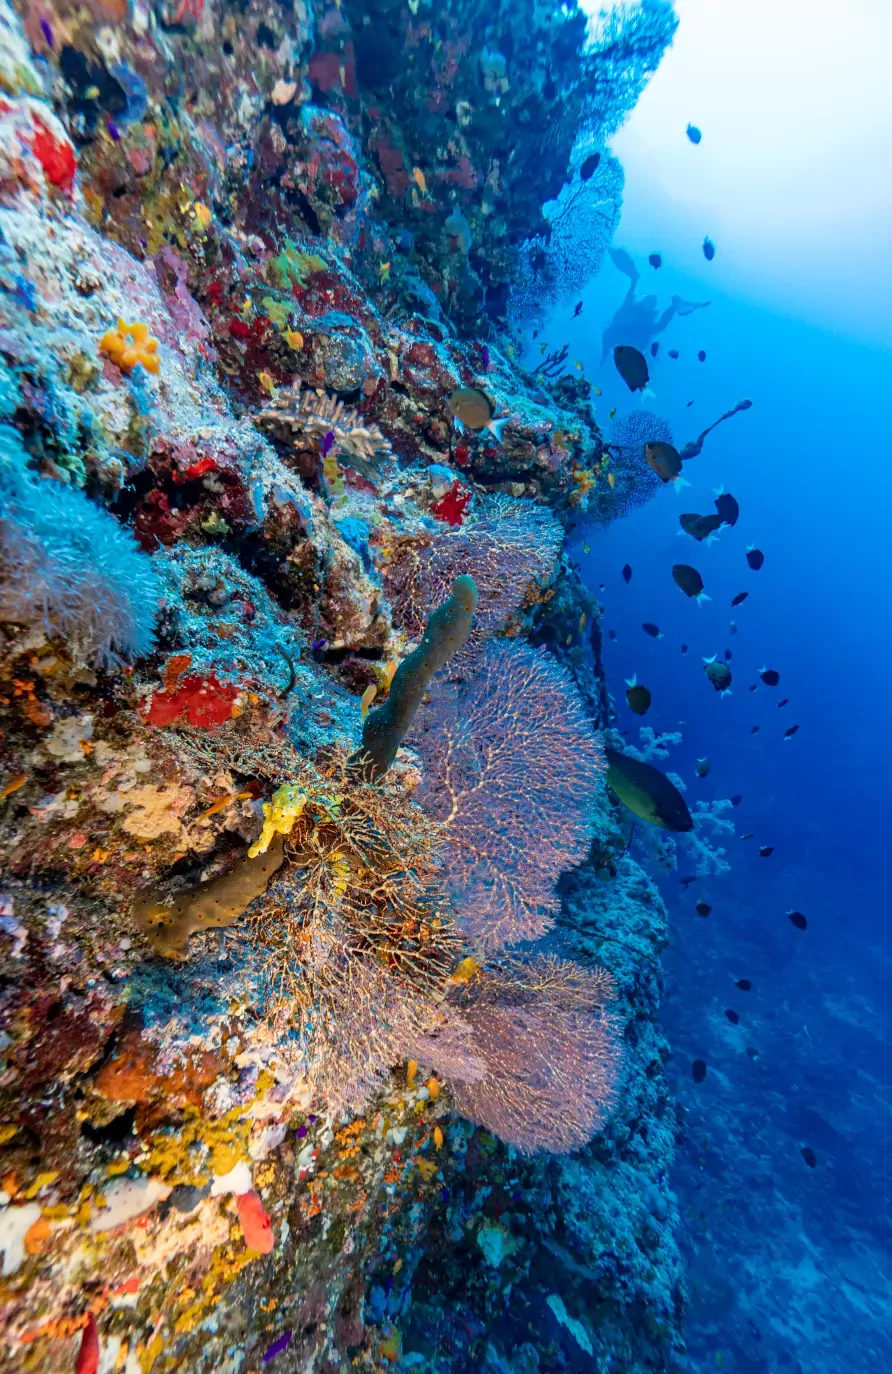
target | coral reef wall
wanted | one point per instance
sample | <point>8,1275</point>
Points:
<point>279,1079</point>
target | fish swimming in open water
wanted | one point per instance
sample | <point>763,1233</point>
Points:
<point>637,696</point>
<point>727,507</point>
<point>647,792</point>
<point>690,582</point>
<point>631,366</point>
<point>719,675</point>
<point>663,459</point>
<point>700,527</point>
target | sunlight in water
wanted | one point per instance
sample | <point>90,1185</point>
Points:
<point>787,179</point>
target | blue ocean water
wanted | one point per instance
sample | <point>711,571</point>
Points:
<point>788,1265</point>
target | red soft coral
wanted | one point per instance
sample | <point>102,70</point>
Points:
<point>204,701</point>
<point>451,507</point>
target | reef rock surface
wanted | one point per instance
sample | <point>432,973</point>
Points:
<point>248,254</point>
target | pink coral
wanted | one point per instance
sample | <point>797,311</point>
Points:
<point>540,1054</point>
<point>512,768</point>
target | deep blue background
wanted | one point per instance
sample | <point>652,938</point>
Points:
<point>789,1267</point>
<point>811,465</point>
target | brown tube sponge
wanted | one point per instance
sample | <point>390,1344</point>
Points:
<point>210,906</point>
<point>446,632</point>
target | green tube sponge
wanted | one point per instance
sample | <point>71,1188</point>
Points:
<point>446,632</point>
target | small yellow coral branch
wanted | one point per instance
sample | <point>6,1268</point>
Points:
<point>279,815</point>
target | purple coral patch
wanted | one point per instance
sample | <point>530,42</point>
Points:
<point>277,1347</point>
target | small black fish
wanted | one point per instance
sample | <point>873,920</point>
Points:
<point>578,310</point>
<point>755,557</point>
<point>663,459</point>
<point>728,655</point>
<point>741,596</point>
<point>797,919</point>
<point>702,768</point>
<point>754,729</point>
<point>703,908</point>
<point>753,1054</point>
<point>655,260</point>
<point>693,133</point>
<point>673,352</point>
<point>735,801</point>
<point>690,403</point>
<point>699,527</point>
<point>708,249</point>
<point>766,851</point>
<point>753,687</point>
<point>631,366</point>
<point>747,836</point>
<point>727,507</point>
<point>684,648</point>
<point>732,1016</point>
<point>784,702</point>
<point>788,734</point>
<point>590,166</point>
<point>809,1156</point>
<point>686,882</point>
<point>653,630</point>
<point>638,698</point>
<point>611,634</point>
<point>702,355</point>
<point>690,581</point>
<point>743,983</point>
<point>698,1070</point>
<point>627,574</point>
<point>732,626</point>
<point>718,673</point>
<point>654,349</point>
<point>769,676</point>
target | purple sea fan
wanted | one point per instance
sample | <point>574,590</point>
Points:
<point>512,769</point>
<point>550,1051</point>
<point>635,482</point>
<point>506,546</point>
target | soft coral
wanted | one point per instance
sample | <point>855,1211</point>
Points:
<point>204,701</point>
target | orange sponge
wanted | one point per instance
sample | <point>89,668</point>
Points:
<point>129,344</point>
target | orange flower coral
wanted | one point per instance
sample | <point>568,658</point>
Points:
<point>129,344</point>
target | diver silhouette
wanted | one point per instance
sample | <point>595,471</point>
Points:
<point>638,322</point>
